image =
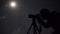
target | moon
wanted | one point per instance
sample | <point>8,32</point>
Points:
<point>12,4</point>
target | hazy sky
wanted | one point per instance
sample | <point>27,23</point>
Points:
<point>18,21</point>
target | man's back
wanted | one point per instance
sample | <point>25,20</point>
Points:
<point>54,22</point>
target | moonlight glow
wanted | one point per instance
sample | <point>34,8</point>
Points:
<point>13,4</point>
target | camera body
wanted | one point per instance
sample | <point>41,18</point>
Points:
<point>33,16</point>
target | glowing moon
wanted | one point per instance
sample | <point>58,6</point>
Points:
<point>13,4</point>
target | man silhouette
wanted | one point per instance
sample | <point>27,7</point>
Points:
<point>52,20</point>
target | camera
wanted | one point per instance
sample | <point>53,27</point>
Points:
<point>33,16</point>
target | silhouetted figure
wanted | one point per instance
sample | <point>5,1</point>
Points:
<point>53,20</point>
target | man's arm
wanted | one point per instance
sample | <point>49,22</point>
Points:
<point>46,25</point>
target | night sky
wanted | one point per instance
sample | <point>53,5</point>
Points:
<point>17,20</point>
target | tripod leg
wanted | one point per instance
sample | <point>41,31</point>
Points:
<point>29,28</point>
<point>39,29</point>
<point>34,29</point>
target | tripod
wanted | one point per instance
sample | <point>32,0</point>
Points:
<point>34,27</point>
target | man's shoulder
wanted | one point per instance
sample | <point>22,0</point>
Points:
<point>54,15</point>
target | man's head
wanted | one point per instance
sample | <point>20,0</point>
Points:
<point>44,13</point>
